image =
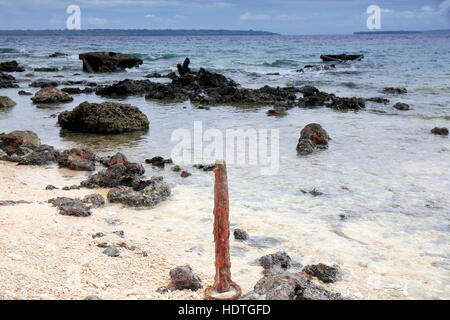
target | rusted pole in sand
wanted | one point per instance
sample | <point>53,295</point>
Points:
<point>222,281</point>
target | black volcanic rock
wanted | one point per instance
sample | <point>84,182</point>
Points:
<point>108,61</point>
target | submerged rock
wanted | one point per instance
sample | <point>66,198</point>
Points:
<point>6,102</point>
<point>240,234</point>
<point>80,159</point>
<point>289,286</point>
<point>155,192</point>
<point>378,100</point>
<point>276,261</point>
<point>57,54</point>
<point>185,174</point>
<point>440,131</point>
<point>105,117</point>
<point>182,278</point>
<point>323,272</point>
<point>24,93</point>
<point>51,95</point>
<point>7,81</point>
<point>392,90</point>
<point>70,207</point>
<point>401,106</point>
<point>205,167</point>
<point>44,83</point>
<point>313,97</point>
<point>345,104</point>
<point>11,66</point>
<point>46,69</point>
<point>312,137</point>
<point>158,161</point>
<point>78,90</point>
<point>108,61</point>
<point>319,67</point>
<point>279,112</point>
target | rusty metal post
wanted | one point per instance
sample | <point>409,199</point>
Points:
<point>222,281</point>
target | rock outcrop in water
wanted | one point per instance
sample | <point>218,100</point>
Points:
<point>51,95</point>
<point>312,137</point>
<point>313,97</point>
<point>345,104</point>
<point>57,54</point>
<point>341,57</point>
<point>393,90</point>
<point>440,131</point>
<point>105,117</point>
<point>108,61</point>
<point>11,66</point>
<point>7,81</point>
<point>44,83</point>
<point>6,102</point>
<point>289,286</point>
<point>315,68</point>
<point>401,106</point>
<point>203,88</point>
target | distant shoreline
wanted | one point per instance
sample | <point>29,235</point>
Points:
<point>402,32</point>
<point>136,32</point>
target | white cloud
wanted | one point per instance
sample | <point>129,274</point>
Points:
<point>95,21</point>
<point>248,16</point>
<point>387,10</point>
<point>164,20</point>
<point>427,12</point>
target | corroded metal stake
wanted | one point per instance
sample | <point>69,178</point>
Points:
<point>222,281</point>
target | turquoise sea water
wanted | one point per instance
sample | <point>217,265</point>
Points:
<point>385,172</point>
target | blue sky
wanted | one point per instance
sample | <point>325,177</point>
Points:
<point>282,16</point>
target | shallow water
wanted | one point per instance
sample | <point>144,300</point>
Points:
<point>384,215</point>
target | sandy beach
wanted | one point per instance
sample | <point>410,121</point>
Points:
<point>44,255</point>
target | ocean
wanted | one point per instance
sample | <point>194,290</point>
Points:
<point>384,215</point>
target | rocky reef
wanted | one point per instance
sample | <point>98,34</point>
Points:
<point>105,117</point>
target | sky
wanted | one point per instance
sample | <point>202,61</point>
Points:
<point>281,16</point>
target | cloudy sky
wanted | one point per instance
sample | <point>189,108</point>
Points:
<point>282,16</point>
